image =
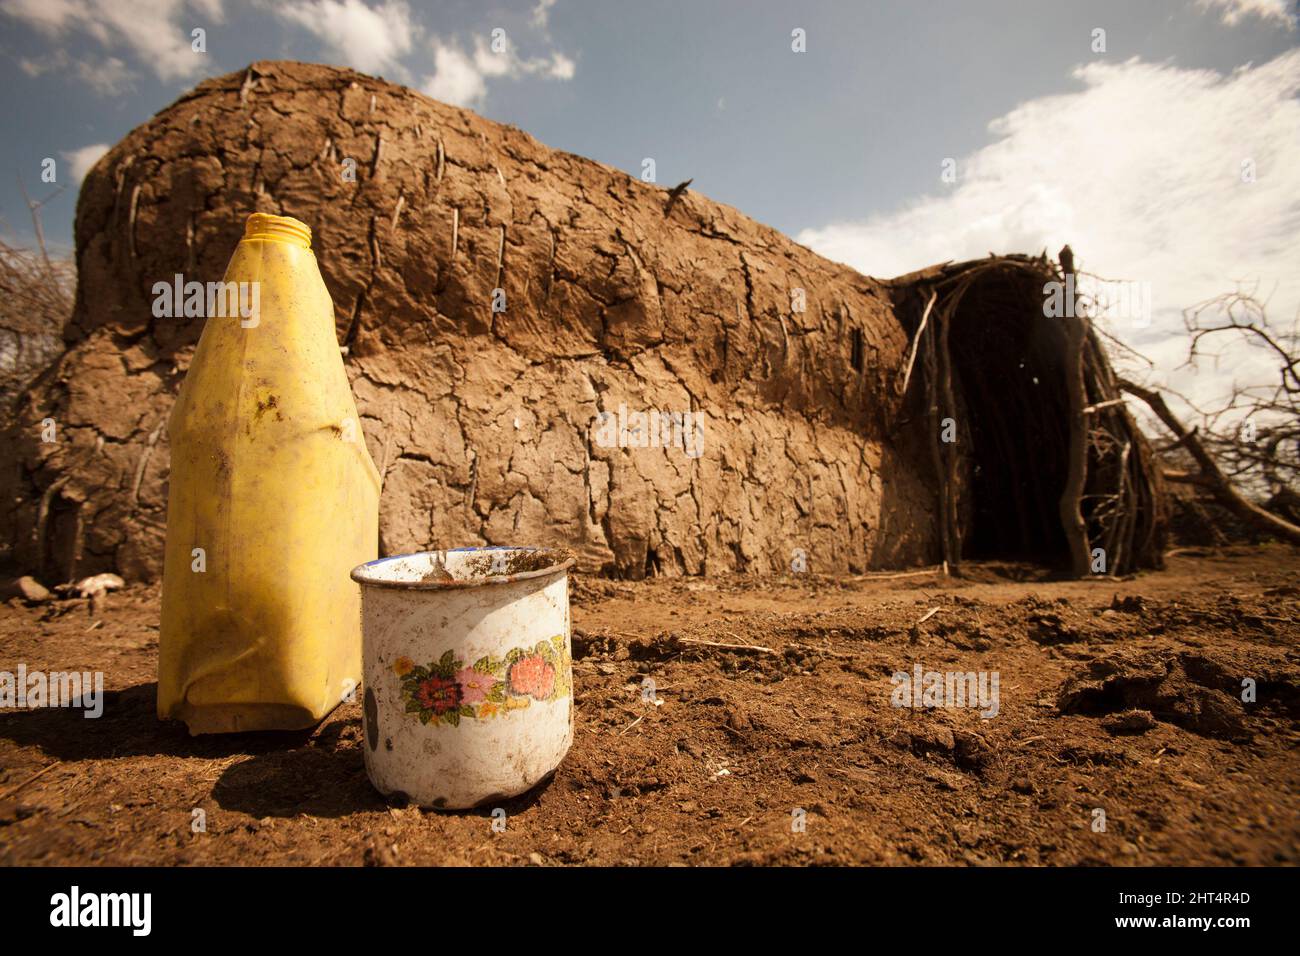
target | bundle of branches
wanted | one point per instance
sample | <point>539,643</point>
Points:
<point>36,293</point>
<point>1245,451</point>
<point>1053,462</point>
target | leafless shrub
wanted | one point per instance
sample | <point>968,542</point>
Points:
<point>1254,434</point>
<point>35,300</point>
<point>36,296</point>
<point>1245,450</point>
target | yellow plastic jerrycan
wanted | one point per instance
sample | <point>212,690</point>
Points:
<point>273,500</point>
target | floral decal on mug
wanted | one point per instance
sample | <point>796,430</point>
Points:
<point>445,691</point>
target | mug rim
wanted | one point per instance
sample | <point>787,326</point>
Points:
<point>364,575</point>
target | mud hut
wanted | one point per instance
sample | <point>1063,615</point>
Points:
<point>501,304</point>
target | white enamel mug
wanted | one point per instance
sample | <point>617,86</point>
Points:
<point>467,672</point>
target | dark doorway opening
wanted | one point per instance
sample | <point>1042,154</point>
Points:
<point>1007,364</point>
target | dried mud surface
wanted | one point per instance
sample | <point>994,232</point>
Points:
<point>1119,695</point>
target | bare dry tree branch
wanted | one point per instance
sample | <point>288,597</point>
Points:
<point>1210,475</point>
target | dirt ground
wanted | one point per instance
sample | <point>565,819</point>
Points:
<point>743,739</point>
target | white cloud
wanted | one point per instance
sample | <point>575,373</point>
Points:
<point>107,76</point>
<point>81,160</point>
<point>1233,12</point>
<point>1141,172</point>
<point>490,62</point>
<point>461,78</point>
<point>542,13</point>
<point>370,39</point>
<point>48,16</point>
<point>155,31</point>
<point>560,67</point>
<point>456,80</point>
<point>371,35</point>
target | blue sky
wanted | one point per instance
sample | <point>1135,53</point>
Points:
<point>1131,153</point>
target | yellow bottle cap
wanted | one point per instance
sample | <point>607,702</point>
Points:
<point>263,225</point>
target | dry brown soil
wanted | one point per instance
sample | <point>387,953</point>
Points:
<point>742,738</point>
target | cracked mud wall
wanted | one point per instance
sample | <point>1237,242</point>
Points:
<point>483,423</point>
